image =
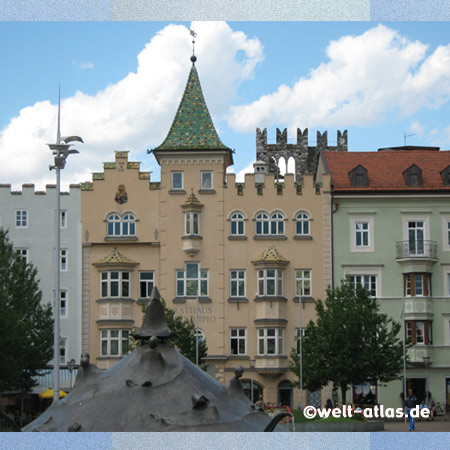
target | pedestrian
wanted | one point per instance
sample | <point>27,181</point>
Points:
<point>410,402</point>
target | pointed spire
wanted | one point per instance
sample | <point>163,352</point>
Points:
<point>154,321</point>
<point>192,127</point>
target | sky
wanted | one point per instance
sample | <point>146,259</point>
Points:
<point>121,83</point>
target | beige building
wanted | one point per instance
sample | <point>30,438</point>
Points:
<point>247,251</point>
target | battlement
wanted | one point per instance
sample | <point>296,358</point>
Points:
<point>29,188</point>
<point>305,156</point>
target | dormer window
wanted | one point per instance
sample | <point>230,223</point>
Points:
<point>413,176</point>
<point>358,177</point>
<point>445,174</point>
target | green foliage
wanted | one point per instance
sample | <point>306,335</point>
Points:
<point>26,326</point>
<point>350,343</point>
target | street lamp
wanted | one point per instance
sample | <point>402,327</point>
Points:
<point>426,360</point>
<point>71,366</point>
<point>60,151</point>
<point>300,358</point>
<point>252,366</point>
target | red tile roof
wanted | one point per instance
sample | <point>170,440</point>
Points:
<point>385,169</point>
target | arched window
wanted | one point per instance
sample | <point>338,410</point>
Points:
<point>277,223</point>
<point>302,224</point>
<point>128,225</point>
<point>237,224</point>
<point>262,224</point>
<point>114,225</point>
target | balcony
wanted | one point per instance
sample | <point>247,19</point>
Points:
<point>416,256</point>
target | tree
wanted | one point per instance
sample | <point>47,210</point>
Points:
<point>184,339</point>
<point>350,343</point>
<point>26,326</point>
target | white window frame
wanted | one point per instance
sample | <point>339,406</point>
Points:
<point>264,338</point>
<point>354,221</point>
<point>239,335</point>
<point>362,281</point>
<point>263,278</point>
<point>172,184</point>
<point>237,219</point>
<point>63,299</point>
<point>63,219</point>
<point>239,280</point>
<point>263,220</point>
<point>62,350</point>
<point>122,280</point>
<point>301,278</point>
<point>105,336</point>
<point>202,280</point>
<point>21,218</point>
<point>122,226</point>
<point>446,233</point>
<point>23,253</point>
<point>277,220</point>
<point>146,282</point>
<point>376,270</point>
<point>202,180</point>
<point>64,260</point>
<point>410,218</point>
<point>302,219</point>
<point>191,222</point>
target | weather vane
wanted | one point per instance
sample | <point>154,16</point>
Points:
<point>194,35</point>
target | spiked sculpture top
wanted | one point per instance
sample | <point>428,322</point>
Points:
<point>154,388</point>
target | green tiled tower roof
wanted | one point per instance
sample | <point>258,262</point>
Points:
<point>192,127</point>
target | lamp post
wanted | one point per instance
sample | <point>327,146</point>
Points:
<point>60,151</point>
<point>426,360</point>
<point>300,357</point>
<point>196,333</point>
<point>404,348</point>
<point>71,366</point>
<point>252,366</point>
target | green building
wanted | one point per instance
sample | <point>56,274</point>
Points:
<point>391,233</point>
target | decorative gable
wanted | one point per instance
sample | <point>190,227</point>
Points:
<point>413,176</point>
<point>358,177</point>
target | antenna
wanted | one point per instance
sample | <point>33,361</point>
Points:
<point>407,136</point>
<point>58,132</point>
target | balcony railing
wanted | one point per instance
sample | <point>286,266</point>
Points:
<point>416,249</point>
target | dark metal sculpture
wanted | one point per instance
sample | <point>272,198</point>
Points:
<point>154,388</point>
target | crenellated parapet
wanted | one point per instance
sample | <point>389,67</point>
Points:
<point>304,155</point>
<point>29,188</point>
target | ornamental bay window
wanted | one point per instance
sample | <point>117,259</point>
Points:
<point>238,341</point>
<point>192,281</point>
<point>270,282</point>
<point>114,342</point>
<point>417,284</point>
<point>419,332</point>
<point>191,223</point>
<point>270,341</point>
<point>115,284</point>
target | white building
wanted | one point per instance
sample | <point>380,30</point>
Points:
<point>29,217</point>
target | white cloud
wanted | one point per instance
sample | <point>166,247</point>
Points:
<point>417,129</point>
<point>240,176</point>
<point>136,112</point>
<point>83,65</point>
<point>368,78</point>
<point>440,138</point>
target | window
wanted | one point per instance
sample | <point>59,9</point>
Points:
<point>191,223</point>
<point>419,332</point>
<point>272,226</point>
<point>238,341</point>
<point>63,260</point>
<point>192,281</point>
<point>146,283</point>
<point>63,221</point>
<point>417,284</point>
<point>416,233</point>
<point>303,283</point>
<point>63,303</point>
<point>302,224</point>
<point>297,339</point>
<point>270,341</point>
<point>237,224</point>
<point>114,342</point>
<point>362,234</point>
<point>413,176</point>
<point>237,283</point>
<point>21,218</point>
<point>206,180</point>
<point>115,284</point>
<point>448,233</point>
<point>368,282</point>
<point>118,226</point>
<point>62,350</point>
<point>23,253</point>
<point>358,177</point>
<point>177,180</point>
<point>270,282</point>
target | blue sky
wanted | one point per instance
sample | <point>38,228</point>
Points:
<point>121,83</point>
